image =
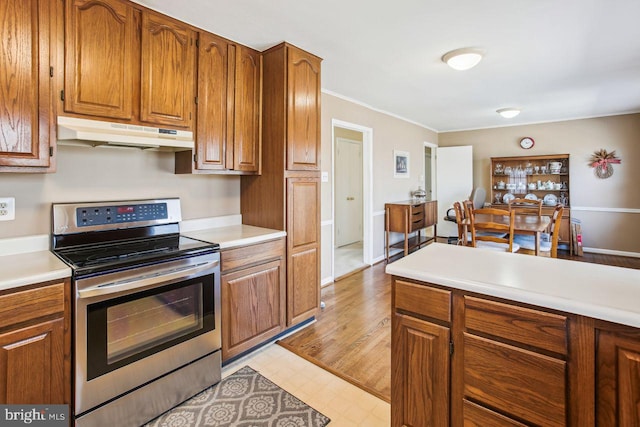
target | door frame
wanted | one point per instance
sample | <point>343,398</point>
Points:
<point>367,190</point>
<point>434,184</point>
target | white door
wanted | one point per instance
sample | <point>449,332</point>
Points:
<point>348,187</point>
<point>454,182</point>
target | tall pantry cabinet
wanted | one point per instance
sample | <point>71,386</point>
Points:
<point>287,194</point>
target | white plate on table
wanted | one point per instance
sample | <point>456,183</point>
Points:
<point>508,197</point>
<point>550,199</point>
<point>531,196</point>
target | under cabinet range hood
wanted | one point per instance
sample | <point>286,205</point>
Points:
<point>75,131</point>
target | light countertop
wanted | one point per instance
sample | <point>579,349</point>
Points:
<point>22,267</point>
<point>236,235</point>
<point>594,290</point>
<point>31,267</point>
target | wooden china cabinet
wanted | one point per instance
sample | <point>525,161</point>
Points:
<point>27,55</point>
<point>287,194</point>
<point>545,177</point>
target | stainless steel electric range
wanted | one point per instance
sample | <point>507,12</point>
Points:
<point>146,312</point>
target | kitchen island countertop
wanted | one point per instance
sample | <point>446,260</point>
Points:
<point>598,291</point>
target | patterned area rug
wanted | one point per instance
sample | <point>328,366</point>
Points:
<point>244,399</point>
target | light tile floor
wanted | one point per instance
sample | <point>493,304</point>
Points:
<point>346,404</point>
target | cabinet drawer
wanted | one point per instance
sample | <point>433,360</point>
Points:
<point>31,304</point>
<point>246,256</point>
<point>479,416</point>
<point>417,210</point>
<point>522,325</point>
<point>424,300</point>
<point>526,385</point>
<point>417,224</point>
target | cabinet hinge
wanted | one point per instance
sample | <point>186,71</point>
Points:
<point>195,158</point>
<point>451,348</point>
<point>50,151</point>
<point>62,95</point>
<point>197,42</point>
<point>196,100</point>
<point>50,71</point>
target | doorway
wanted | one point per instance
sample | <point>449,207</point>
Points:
<point>430,170</point>
<point>351,152</point>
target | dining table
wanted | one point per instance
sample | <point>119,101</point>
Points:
<point>523,224</point>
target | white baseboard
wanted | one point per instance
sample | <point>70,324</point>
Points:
<point>611,252</point>
<point>326,281</point>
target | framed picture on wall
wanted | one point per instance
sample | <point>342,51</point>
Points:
<point>400,164</point>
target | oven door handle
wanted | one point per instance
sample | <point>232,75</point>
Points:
<point>145,280</point>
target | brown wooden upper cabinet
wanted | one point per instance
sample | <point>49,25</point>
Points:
<point>303,109</point>
<point>167,70</point>
<point>128,64</point>
<point>101,58</point>
<point>295,75</point>
<point>229,93</point>
<point>26,127</point>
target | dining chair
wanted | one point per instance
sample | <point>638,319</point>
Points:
<point>463,238</point>
<point>480,237</point>
<point>526,206</point>
<point>549,245</point>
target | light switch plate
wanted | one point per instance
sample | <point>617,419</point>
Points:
<point>7,208</point>
<point>325,177</point>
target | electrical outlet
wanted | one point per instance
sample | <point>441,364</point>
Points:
<point>7,208</point>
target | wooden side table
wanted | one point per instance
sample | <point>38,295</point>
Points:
<point>410,217</point>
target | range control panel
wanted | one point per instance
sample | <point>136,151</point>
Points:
<point>102,215</point>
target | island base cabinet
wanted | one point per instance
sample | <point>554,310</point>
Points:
<point>618,370</point>
<point>32,361</point>
<point>420,373</point>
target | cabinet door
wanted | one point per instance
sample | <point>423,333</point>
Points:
<point>215,86</point>
<point>246,138</point>
<point>32,364</point>
<point>303,110</point>
<point>253,307</point>
<point>618,378</point>
<point>100,61</point>
<point>25,86</point>
<point>419,373</point>
<point>303,243</point>
<point>168,66</point>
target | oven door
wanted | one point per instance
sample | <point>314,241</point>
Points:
<point>136,325</point>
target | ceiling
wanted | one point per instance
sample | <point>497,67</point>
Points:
<point>554,59</point>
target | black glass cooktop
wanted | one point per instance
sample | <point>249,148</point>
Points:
<point>106,256</point>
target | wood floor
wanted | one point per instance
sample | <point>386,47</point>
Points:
<point>352,335</point>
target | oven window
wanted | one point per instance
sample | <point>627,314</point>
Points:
<point>129,328</point>
<point>144,323</point>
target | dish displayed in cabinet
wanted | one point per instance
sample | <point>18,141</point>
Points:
<point>531,196</point>
<point>550,199</point>
<point>508,197</point>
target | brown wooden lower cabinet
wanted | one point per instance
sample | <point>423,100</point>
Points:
<point>503,363</point>
<point>420,376</point>
<point>35,345</point>
<point>253,296</point>
<point>618,367</point>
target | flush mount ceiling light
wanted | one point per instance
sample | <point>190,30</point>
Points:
<point>462,59</point>
<point>508,113</point>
